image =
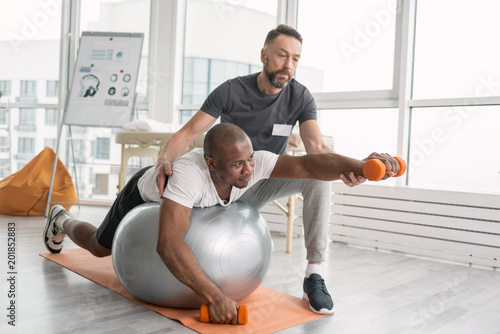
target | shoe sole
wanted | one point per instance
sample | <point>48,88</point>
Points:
<point>322,311</point>
<point>45,239</point>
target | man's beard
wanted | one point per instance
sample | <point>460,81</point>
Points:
<point>273,78</point>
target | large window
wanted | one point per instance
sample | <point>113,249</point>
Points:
<point>456,94</point>
<point>456,49</point>
<point>362,138</point>
<point>455,148</point>
<point>219,44</point>
<point>348,45</point>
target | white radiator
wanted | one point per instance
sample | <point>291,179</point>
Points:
<point>454,226</point>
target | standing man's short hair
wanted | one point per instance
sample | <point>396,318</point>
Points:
<point>282,29</point>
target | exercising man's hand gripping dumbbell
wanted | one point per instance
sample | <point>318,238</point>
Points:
<point>374,169</point>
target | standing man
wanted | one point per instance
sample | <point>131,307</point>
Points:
<point>266,106</point>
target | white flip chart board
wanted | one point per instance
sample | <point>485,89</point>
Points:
<point>105,78</point>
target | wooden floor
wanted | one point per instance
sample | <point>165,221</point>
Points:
<point>374,292</point>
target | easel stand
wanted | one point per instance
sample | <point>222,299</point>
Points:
<point>54,167</point>
<point>103,88</point>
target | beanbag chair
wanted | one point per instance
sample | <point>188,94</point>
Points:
<point>25,193</point>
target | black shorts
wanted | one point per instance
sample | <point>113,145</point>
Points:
<point>126,200</point>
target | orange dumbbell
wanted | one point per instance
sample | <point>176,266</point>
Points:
<point>374,169</point>
<point>242,314</point>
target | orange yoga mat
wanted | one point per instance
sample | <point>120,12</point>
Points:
<point>270,310</point>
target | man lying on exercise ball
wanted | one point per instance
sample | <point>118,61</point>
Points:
<point>217,175</point>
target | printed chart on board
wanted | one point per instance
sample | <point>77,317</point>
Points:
<point>105,79</point>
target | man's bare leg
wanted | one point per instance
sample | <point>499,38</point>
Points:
<point>59,224</point>
<point>84,235</point>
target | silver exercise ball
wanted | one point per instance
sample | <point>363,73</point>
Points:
<point>232,245</point>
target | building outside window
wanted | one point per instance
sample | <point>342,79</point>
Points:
<point>28,88</point>
<point>27,120</point>
<point>50,142</point>
<point>26,145</point>
<point>101,184</point>
<point>52,88</point>
<point>27,116</point>
<point>3,117</point>
<point>3,172</point>
<point>5,87</point>
<point>201,76</point>
<point>50,116</point>
<point>102,148</point>
<point>78,146</point>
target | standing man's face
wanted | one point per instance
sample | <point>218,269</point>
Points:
<point>280,60</point>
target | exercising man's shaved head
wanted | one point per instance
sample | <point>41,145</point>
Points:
<point>220,136</point>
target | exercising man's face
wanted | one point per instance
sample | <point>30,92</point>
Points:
<point>280,60</point>
<point>234,164</point>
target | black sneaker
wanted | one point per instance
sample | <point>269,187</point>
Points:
<point>316,293</point>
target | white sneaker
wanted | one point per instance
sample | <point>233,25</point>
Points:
<point>53,235</point>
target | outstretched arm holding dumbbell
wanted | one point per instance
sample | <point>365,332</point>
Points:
<point>329,166</point>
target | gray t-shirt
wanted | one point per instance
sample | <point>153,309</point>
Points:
<point>239,101</point>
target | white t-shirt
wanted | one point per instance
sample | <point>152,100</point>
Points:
<point>191,184</point>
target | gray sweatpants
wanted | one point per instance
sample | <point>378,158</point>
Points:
<point>316,209</point>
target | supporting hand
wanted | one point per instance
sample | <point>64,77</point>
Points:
<point>352,180</point>
<point>163,168</point>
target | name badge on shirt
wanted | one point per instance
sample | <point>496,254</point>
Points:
<point>282,130</point>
